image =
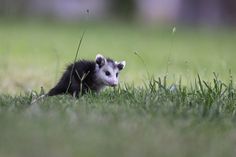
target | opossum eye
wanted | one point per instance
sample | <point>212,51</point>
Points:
<point>117,74</point>
<point>107,73</point>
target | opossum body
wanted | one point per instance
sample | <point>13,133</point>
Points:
<point>84,76</point>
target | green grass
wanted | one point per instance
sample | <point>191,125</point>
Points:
<point>157,120</point>
<point>180,114</point>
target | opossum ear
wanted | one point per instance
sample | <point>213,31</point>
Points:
<point>100,60</point>
<point>121,65</point>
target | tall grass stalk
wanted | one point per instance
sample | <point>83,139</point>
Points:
<point>75,59</point>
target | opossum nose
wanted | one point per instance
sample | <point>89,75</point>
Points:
<point>113,83</point>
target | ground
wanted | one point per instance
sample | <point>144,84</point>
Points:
<point>181,114</point>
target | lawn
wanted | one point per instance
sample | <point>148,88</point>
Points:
<point>180,114</point>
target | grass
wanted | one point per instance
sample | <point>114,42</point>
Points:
<point>183,110</point>
<point>158,120</point>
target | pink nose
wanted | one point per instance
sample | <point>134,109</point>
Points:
<point>113,83</point>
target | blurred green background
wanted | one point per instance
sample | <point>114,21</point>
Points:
<point>38,39</point>
<point>36,54</point>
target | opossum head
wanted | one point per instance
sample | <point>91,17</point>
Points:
<point>107,71</point>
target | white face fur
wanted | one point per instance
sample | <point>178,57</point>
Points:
<point>107,71</point>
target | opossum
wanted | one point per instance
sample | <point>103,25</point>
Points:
<point>86,75</point>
